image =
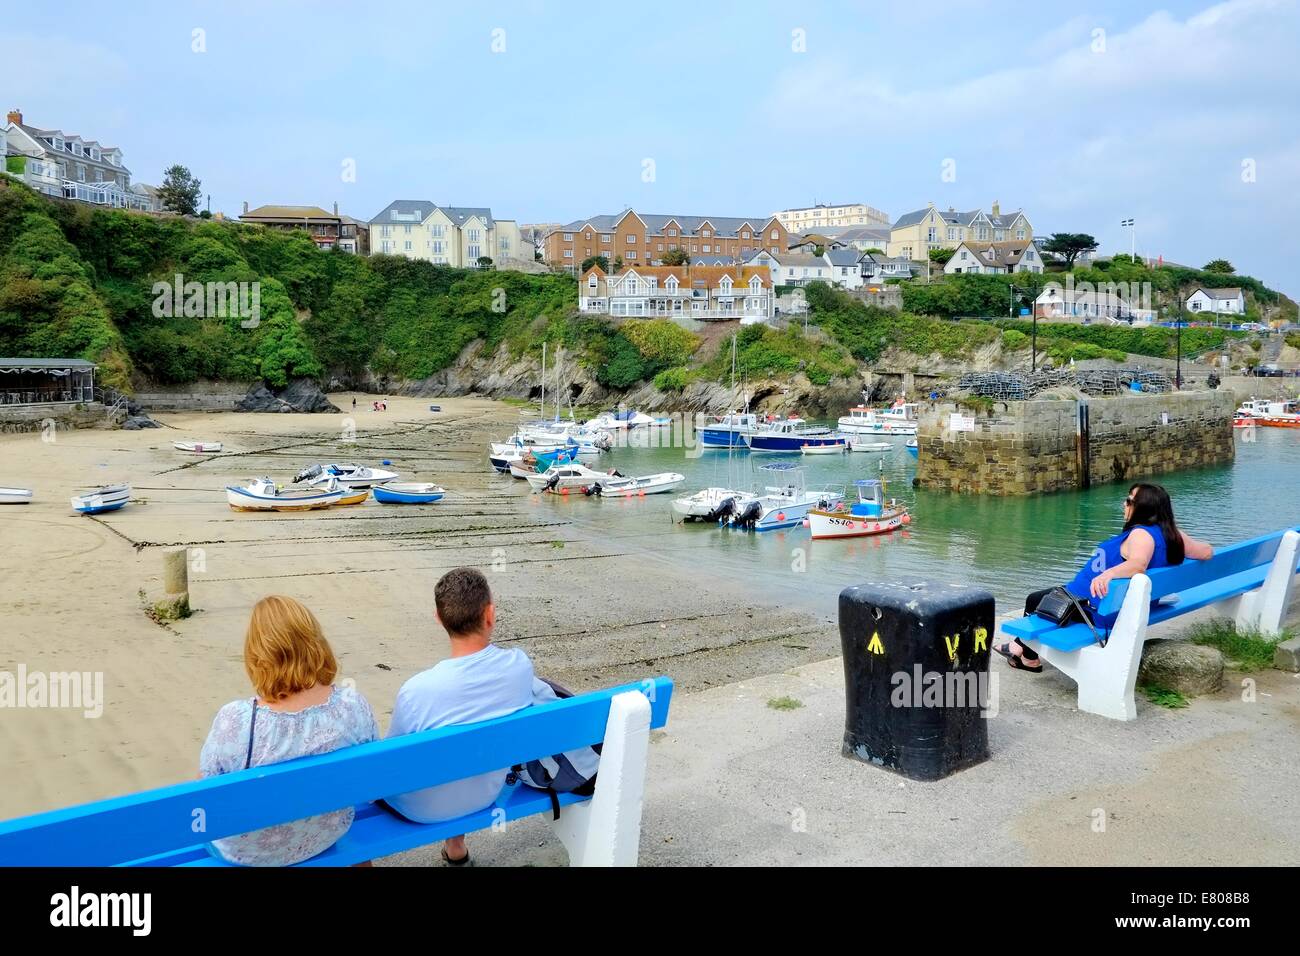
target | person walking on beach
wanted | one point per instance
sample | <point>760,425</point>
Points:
<point>477,682</point>
<point>1150,539</point>
<point>297,712</point>
<point>354,404</point>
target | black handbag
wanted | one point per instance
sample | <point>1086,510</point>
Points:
<point>1061,607</point>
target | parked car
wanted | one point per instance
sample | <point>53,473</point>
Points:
<point>1268,370</point>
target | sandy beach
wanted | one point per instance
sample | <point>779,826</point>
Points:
<point>590,611</point>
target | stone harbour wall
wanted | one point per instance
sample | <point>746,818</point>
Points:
<point>1026,448</point>
<point>58,417</point>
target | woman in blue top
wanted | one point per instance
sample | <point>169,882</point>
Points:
<point>1150,539</point>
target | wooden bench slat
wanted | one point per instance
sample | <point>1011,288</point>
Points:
<point>156,822</point>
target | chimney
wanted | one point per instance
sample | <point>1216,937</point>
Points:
<point>997,208</point>
<point>245,207</point>
<point>15,116</point>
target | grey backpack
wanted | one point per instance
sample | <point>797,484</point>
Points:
<point>571,772</point>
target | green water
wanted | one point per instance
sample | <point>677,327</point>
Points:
<point>1008,545</point>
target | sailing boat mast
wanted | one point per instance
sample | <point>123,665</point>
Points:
<point>542,409</point>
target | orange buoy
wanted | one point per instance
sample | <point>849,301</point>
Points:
<point>907,519</point>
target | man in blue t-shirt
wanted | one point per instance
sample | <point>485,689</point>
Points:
<point>478,681</point>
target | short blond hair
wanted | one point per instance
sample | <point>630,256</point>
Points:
<point>284,650</point>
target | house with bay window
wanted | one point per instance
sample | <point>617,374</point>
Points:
<point>448,235</point>
<point>69,166</point>
<point>702,293</point>
<point>916,233</point>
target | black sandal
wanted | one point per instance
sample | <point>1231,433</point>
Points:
<point>450,862</point>
<point>1018,661</point>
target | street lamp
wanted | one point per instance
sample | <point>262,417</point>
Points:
<point>1033,312</point>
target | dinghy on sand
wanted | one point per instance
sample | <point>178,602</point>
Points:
<point>198,447</point>
<point>262,494</point>
<point>409,493</point>
<point>102,499</point>
<point>15,496</point>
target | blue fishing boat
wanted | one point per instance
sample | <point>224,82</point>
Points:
<point>102,499</point>
<point>729,431</point>
<point>408,493</point>
<point>793,435</point>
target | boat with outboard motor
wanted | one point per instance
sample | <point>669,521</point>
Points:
<point>781,505</point>
<point>627,487</point>
<point>707,505</point>
<point>1267,413</point>
<point>347,475</point>
<point>870,515</point>
<point>562,479</point>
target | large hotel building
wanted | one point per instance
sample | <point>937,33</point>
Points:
<point>643,238</point>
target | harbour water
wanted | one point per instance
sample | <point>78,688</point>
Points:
<point>1008,545</point>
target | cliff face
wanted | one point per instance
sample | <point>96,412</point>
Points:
<point>501,376</point>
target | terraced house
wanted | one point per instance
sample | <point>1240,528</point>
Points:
<point>702,293</point>
<point>642,238</point>
<point>447,235</point>
<point>916,233</point>
<point>63,164</point>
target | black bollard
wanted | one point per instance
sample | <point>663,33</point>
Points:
<point>916,661</point>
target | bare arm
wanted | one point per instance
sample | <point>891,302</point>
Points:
<point>1197,550</point>
<point>1136,552</point>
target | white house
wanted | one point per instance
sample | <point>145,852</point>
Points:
<point>64,164</point>
<point>991,258</point>
<point>1086,303</point>
<point>1219,301</point>
<point>447,235</point>
<point>877,268</point>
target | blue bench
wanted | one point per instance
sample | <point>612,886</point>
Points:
<point>1250,581</point>
<point>169,826</point>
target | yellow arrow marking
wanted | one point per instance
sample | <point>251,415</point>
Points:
<point>874,645</point>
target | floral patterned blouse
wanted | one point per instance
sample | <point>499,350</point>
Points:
<point>341,721</point>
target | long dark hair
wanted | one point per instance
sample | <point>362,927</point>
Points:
<point>1151,506</point>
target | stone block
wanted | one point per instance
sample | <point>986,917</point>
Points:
<point>1190,669</point>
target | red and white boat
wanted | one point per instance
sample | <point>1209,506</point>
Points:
<point>198,447</point>
<point>1267,413</point>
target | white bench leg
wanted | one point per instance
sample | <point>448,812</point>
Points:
<point>606,830</point>
<point>1264,610</point>
<point>1107,675</point>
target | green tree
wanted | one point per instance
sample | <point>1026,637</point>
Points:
<point>941,256</point>
<point>601,261</point>
<point>1220,266</point>
<point>675,256</point>
<point>1069,245</point>
<point>179,191</point>
<point>485,262</point>
<point>618,263</point>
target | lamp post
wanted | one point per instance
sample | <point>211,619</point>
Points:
<point>1178,337</point>
<point>1033,313</point>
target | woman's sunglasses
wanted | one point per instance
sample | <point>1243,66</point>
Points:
<point>1128,502</point>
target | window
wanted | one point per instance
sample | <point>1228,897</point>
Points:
<point>983,232</point>
<point>568,253</point>
<point>631,254</point>
<point>386,246</point>
<point>605,237</point>
<point>383,231</point>
<point>406,230</point>
<point>952,234</point>
<point>1020,234</point>
<point>672,232</point>
<point>591,281</point>
<point>568,237</point>
<point>706,247</point>
<point>745,234</point>
<point>705,233</point>
<point>473,253</point>
<point>589,237</point>
<point>474,235</point>
<point>437,247</point>
<point>932,235</point>
<point>504,245</point>
<point>963,254</point>
<point>775,235</point>
<point>630,239</point>
<point>436,229</point>
<point>81,173</point>
<point>407,245</point>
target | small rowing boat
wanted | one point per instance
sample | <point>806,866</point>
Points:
<point>862,444</point>
<point>835,445</point>
<point>262,494</point>
<point>198,447</point>
<point>102,499</point>
<point>409,493</point>
<point>15,496</point>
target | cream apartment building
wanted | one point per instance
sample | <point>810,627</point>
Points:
<point>447,235</point>
<point>828,216</point>
<point>916,233</point>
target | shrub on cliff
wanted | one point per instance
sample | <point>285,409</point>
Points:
<point>672,379</point>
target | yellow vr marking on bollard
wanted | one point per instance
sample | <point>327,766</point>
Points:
<point>981,639</point>
<point>874,645</point>
<point>953,643</point>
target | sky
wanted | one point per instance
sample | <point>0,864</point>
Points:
<point>1184,116</point>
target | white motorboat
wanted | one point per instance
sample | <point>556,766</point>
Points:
<point>781,505</point>
<point>347,475</point>
<point>198,447</point>
<point>262,494</point>
<point>836,445</point>
<point>706,505</point>
<point>561,479</point>
<point>616,421</point>
<point>503,462</point>
<point>864,444</point>
<point>15,496</point>
<point>898,419</point>
<point>101,499</point>
<point>636,487</point>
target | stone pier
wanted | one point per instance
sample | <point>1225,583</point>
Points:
<point>1026,448</point>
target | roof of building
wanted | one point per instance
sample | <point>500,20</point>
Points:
<point>996,253</point>
<point>699,277</point>
<point>418,210</point>
<point>871,234</point>
<point>288,212</point>
<point>1231,292</point>
<point>37,135</point>
<point>45,363</point>
<point>957,218</point>
<point>726,227</point>
<point>843,257</point>
<point>800,259</point>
